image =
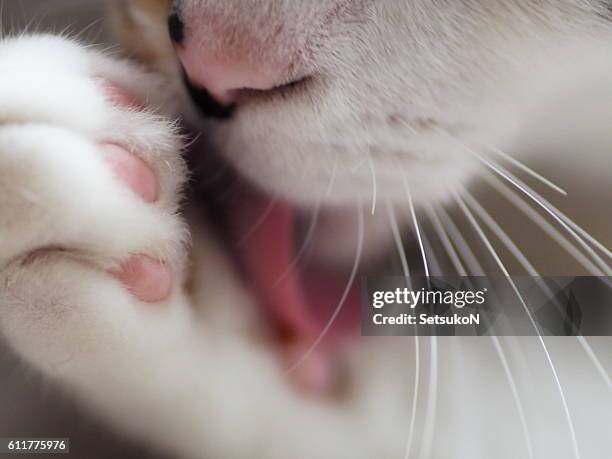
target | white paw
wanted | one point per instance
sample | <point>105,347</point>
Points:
<point>90,185</point>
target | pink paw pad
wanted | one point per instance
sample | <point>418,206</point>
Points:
<point>147,279</point>
<point>132,171</point>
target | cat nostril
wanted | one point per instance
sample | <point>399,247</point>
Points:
<point>207,105</point>
<point>223,53</point>
<point>225,78</point>
<point>176,26</point>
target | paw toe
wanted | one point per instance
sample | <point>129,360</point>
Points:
<point>147,279</point>
<point>133,172</point>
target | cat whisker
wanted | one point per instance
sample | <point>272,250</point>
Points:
<point>515,393</point>
<point>524,168</point>
<point>397,238</point>
<point>444,237</point>
<point>546,226</point>
<point>349,286</point>
<point>417,351</point>
<point>583,233</point>
<point>549,208</point>
<point>434,265</point>
<point>332,179</point>
<point>463,206</point>
<point>530,269</point>
<point>314,220</point>
<point>568,224</point>
<point>446,242</point>
<point>417,377</point>
<point>499,232</point>
<point>463,247</point>
<point>596,362</point>
<point>274,200</point>
<point>432,400</point>
<point>416,224</point>
<point>311,228</point>
<point>565,221</point>
<point>432,395</point>
<point>374,182</point>
<point>408,126</point>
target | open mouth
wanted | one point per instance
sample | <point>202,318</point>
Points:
<point>312,307</point>
<point>309,304</point>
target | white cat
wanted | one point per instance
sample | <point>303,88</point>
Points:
<point>336,113</point>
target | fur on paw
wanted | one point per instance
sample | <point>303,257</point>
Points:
<point>89,173</point>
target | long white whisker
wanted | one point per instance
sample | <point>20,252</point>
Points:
<point>397,238</point>
<point>432,394</point>
<point>416,226</point>
<point>496,342</point>
<point>405,123</point>
<point>524,168</point>
<point>374,184</point>
<point>447,244</point>
<point>443,234</point>
<point>415,395</point>
<point>582,232</point>
<point>464,248</point>
<point>598,365</point>
<point>568,224</point>
<point>310,232</point>
<point>300,253</point>
<point>349,286</point>
<point>417,362</point>
<point>512,247</point>
<point>515,393</point>
<point>332,179</point>
<point>546,226</point>
<point>434,265</point>
<point>499,232</point>
<point>549,208</point>
<point>503,268</point>
<point>432,400</point>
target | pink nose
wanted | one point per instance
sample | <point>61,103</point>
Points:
<point>224,76</point>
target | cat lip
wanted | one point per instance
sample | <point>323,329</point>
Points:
<point>210,107</point>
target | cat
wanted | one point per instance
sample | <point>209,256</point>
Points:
<point>187,326</point>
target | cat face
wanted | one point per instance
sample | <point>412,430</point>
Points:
<point>362,91</point>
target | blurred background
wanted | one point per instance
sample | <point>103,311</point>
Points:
<point>574,132</point>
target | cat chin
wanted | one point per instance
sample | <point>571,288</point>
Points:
<point>309,174</point>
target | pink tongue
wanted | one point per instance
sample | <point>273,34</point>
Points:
<point>266,249</point>
<point>302,302</point>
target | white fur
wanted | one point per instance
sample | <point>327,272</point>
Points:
<point>154,370</point>
<point>196,376</point>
